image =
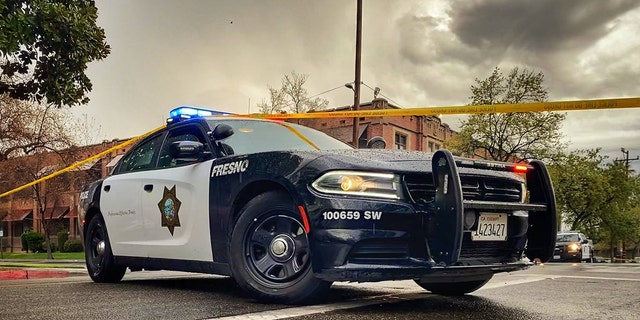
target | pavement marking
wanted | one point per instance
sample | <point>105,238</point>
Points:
<point>323,308</point>
<point>593,278</point>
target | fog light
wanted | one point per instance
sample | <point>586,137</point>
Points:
<point>469,219</point>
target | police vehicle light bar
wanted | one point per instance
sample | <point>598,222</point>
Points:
<point>187,112</point>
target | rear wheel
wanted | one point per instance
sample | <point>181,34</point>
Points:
<point>453,288</point>
<point>270,253</point>
<point>98,255</point>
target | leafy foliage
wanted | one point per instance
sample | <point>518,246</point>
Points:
<point>34,241</point>
<point>45,46</point>
<point>73,245</point>
<point>510,136</point>
<point>62,237</point>
<point>597,197</point>
<point>291,97</point>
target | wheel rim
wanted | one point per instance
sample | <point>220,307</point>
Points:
<point>97,248</point>
<point>277,249</point>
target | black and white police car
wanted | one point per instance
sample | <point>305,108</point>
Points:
<point>573,246</point>
<point>286,210</point>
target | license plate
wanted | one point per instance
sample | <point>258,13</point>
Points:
<point>556,257</point>
<point>491,227</point>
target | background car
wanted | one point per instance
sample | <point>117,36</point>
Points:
<point>573,246</point>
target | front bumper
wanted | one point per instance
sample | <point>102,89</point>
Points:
<point>410,241</point>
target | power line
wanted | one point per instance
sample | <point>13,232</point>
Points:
<point>321,93</point>
<point>372,89</point>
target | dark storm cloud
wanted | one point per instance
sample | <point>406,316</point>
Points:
<point>535,25</point>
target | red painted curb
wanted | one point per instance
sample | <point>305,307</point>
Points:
<point>13,274</point>
<point>32,274</point>
<point>40,274</point>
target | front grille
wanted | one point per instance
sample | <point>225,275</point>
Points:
<point>379,249</point>
<point>422,189</point>
<point>483,249</point>
<point>491,189</point>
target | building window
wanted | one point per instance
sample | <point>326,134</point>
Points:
<point>431,146</point>
<point>401,141</point>
<point>437,147</point>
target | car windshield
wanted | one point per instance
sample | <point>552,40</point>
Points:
<point>251,136</point>
<point>570,237</point>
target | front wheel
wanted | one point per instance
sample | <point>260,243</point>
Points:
<point>453,288</point>
<point>98,255</point>
<point>270,253</point>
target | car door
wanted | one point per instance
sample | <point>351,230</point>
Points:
<point>120,198</point>
<point>175,202</point>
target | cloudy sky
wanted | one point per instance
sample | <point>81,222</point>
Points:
<point>223,54</point>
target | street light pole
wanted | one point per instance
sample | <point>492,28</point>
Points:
<point>356,87</point>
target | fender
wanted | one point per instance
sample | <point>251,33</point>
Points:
<point>88,204</point>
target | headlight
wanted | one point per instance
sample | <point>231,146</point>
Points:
<point>574,247</point>
<point>365,184</point>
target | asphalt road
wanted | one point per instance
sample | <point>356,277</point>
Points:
<point>551,291</point>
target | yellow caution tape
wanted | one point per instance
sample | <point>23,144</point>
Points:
<point>598,104</point>
<point>79,163</point>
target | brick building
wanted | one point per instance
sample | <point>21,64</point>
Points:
<point>422,133</point>
<point>19,212</point>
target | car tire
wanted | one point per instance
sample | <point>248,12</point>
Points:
<point>453,288</point>
<point>270,252</point>
<point>98,255</point>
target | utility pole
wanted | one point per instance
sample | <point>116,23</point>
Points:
<point>626,159</point>
<point>356,85</point>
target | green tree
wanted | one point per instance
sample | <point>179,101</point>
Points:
<point>45,46</point>
<point>291,97</point>
<point>510,136</point>
<point>596,196</point>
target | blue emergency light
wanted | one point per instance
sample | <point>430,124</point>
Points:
<point>187,112</point>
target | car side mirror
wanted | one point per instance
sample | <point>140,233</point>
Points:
<point>187,151</point>
<point>221,132</point>
<point>585,241</point>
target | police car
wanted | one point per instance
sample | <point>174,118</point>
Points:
<point>286,210</point>
<point>573,246</point>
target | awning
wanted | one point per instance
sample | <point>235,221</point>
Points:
<point>18,215</point>
<point>55,212</point>
<point>86,166</point>
<point>73,213</point>
<point>114,161</point>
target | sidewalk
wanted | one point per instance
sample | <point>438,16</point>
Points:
<point>11,269</point>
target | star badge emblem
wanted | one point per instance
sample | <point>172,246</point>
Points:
<point>442,162</point>
<point>169,207</point>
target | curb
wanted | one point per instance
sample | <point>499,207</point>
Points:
<point>32,274</point>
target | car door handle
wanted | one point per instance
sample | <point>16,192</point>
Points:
<point>148,187</point>
<point>107,188</point>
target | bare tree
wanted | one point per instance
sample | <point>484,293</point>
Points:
<point>292,97</point>
<point>26,128</point>
<point>36,140</point>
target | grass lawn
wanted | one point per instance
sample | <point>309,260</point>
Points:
<point>43,256</point>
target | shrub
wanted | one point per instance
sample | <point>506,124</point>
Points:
<point>53,246</point>
<point>34,241</point>
<point>63,236</point>
<point>73,245</point>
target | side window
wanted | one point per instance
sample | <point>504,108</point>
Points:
<point>190,133</point>
<point>141,158</point>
